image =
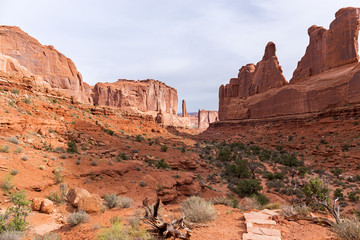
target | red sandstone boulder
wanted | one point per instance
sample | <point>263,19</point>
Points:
<point>92,204</point>
<point>75,194</point>
<point>47,206</point>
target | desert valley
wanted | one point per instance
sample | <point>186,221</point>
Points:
<point>278,160</point>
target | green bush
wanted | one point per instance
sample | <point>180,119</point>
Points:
<point>353,197</point>
<point>164,148</point>
<point>5,148</point>
<point>15,216</point>
<point>224,155</point>
<point>139,138</point>
<point>77,218</point>
<point>247,187</point>
<point>337,172</point>
<point>72,148</point>
<point>109,131</point>
<point>262,199</point>
<point>239,169</point>
<point>197,209</point>
<point>6,184</point>
<point>161,164</point>
<point>338,193</point>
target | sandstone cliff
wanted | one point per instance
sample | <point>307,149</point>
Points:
<point>327,76</point>
<point>205,118</point>
<point>253,79</point>
<point>146,95</point>
<point>331,48</point>
<point>21,53</point>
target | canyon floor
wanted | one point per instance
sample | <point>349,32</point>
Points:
<point>47,141</point>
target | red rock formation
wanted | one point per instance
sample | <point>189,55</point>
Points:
<point>21,53</point>
<point>184,111</point>
<point>205,118</point>
<point>253,79</point>
<point>331,48</point>
<point>145,95</point>
<point>327,76</point>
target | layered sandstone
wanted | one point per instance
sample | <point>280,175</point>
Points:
<point>259,78</point>
<point>206,117</point>
<point>22,53</point>
<point>184,110</point>
<point>327,76</point>
<point>130,95</point>
<point>331,48</point>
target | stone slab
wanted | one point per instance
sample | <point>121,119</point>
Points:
<point>250,236</point>
<point>261,221</point>
<point>256,215</point>
<point>264,231</point>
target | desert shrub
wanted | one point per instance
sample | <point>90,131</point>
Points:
<point>42,167</point>
<point>338,193</point>
<point>316,190</point>
<point>262,199</point>
<point>15,91</point>
<point>183,149</point>
<point>161,164</point>
<point>348,229</point>
<point>222,201</point>
<point>255,149</point>
<point>15,216</point>
<point>14,172</point>
<point>142,184</point>
<point>4,148</point>
<point>11,235</point>
<point>48,236</point>
<point>111,200</point>
<point>77,218</point>
<point>249,203</point>
<point>164,148</point>
<point>72,148</point>
<point>247,187</point>
<point>109,131</point>
<point>271,206</point>
<point>224,155</point>
<point>337,172</point>
<point>124,202</point>
<point>6,184</point>
<point>24,158</point>
<point>265,155</point>
<point>290,160</point>
<point>122,156</point>
<point>58,177</point>
<point>353,196</point>
<point>119,231</point>
<point>139,138</point>
<point>302,209</point>
<point>197,209</point>
<point>55,197</point>
<point>239,169</point>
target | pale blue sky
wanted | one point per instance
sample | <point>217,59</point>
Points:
<point>191,45</point>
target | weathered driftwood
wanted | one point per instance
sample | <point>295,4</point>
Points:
<point>162,228</point>
<point>318,220</point>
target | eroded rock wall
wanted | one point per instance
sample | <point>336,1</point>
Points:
<point>23,53</point>
<point>206,117</point>
<point>327,76</point>
<point>331,48</point>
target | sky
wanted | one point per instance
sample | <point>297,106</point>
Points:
<point>191,45</point>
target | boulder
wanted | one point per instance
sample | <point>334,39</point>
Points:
<point>47,206</point>
<point>90,204</point>
<point>75,194</point>
<point>36,204</point>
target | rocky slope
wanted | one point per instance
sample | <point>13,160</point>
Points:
<point>326,77</point>
<point>21,54</point>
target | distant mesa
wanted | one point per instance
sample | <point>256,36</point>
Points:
<point>327,76</point>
